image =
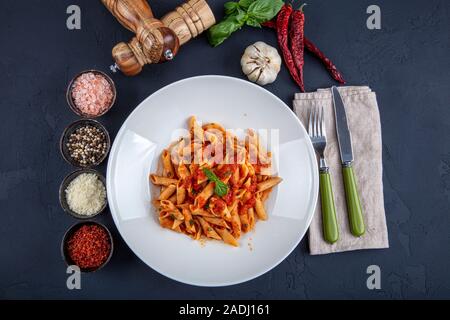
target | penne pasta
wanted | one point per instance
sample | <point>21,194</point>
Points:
<point>198,228</point>
<point>183,171</point>
<point>246,196</point>
<point>227,237</point>
<point>166,222</point>
<point>208,230</point>
<point>259,208</point>
<point>168,192</point>
<point>240,193</point>
<point>196,131</point>
<point>245,226</point>
<point>173,198</point>
<point>265,194</point>
<point>236,175</point>
<point>235,222</point>
<point>233,206</point>
<point>251,218</point>
<point>213,184</point>
<point>176,224</point>
<point>168,170</point>
<point>269,183</point>
<point>243,173</point>
<point>188,220</point>
<point>181,192</point>
<point>171,209</point>
<point>251,170</point>
<point>200,212</point>
<point>217,221</point>
<point>162,181</point>
<point>203,196</point>
<point>226,215</point>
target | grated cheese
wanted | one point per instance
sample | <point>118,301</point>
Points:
<point>86,194</point>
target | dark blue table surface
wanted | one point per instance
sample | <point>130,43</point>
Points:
<point>406,62</point>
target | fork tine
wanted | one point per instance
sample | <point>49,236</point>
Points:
<point>316,122</point>
<point>310,130</point>
<point>319,121</point>
<point>322,123</point>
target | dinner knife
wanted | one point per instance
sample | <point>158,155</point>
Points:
<point>354,210</point>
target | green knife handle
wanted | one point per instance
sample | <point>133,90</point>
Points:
<point>353,204</point>
<point>330,226</point>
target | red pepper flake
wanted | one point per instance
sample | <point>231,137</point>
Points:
<point>89,246</point>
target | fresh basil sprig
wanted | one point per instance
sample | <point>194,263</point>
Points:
<point>240,13</point>
<point>221,189</point>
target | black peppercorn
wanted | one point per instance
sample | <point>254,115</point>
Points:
<point>87,145</point>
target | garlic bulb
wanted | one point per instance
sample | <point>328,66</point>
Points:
<point>261,63</point>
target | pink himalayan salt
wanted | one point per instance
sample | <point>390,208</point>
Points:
<point>92,94</point>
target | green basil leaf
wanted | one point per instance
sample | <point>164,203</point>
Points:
<point>240,16</point>
<point>230,7</point>
<point>209,174</point>
<point>221,188</point>
<point>244,4</point>
<point>253,22</point>
<point>221,31</point>
<point>264,10</point>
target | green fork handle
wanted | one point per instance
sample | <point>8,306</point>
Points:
<point>329,221</point>
<point>354,210</point>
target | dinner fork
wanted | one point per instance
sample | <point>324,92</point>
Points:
<point>317,133</point>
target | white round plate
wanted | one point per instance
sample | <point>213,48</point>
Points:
<point>151,127</point>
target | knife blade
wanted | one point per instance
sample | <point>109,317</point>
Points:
<point>343,134</point>
<point>354,210</point>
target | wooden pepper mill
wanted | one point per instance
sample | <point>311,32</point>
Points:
<point>156,40</point>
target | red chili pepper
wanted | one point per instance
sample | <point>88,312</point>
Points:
<point>327,62</point>
<point>282,34</point>
<point>297,36</point>
<point>335,73</point>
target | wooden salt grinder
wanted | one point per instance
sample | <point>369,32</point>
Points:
<point>156,40</point>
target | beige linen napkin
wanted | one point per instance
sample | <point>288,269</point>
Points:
<point>364,125</point>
